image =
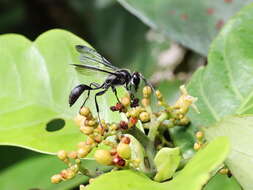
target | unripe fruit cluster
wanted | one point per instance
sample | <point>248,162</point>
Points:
<point>120,153</point>
<point>117,156</point>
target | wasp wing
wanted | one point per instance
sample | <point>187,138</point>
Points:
<point>89,55</point>
<point>81,68</point>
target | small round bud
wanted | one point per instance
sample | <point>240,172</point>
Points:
<point>103,157</point>
<point>79,119</point>
<point>62,154</point>
<point>144,117</point>
<point>92,122</point>
<point>125,140</point>
<point>98,138</point>
<point>64,174</point>
<point>132,121</point>
<point>86,130</point>
<point>118,161</point>
<point>82,152</point>
<point>113,127</point>
<point>72,154</point>
<point>145,102</point>
<point>74,168</point>
<point>113,108</point>
<point>224,171</point>
<point>123,125</point>
<point>134,103</point>
<point>199,135</point>
<point>160,103</point>
<point>159,95</point>
<point>85,111</point>
<point>125,101</point>
<point>119,106</point>
<point>146,91</point>
<point>69,174</point>
<point>56,179</point>
<point>124,150</point>
<point>90,141</point>
<point>197,146</point>
<point>91,180</point>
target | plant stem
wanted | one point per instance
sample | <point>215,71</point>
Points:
<point>148,146</point>
<point>153,127</point>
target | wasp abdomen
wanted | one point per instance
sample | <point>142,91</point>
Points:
<point>76,93</point>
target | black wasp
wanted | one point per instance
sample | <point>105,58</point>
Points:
<point>116,76</point>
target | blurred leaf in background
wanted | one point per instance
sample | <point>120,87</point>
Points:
<point>193,23</point>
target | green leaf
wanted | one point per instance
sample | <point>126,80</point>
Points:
<point>225,86</point>
<point>193,23</point>
<point>36,173</point>
<point>222,181</point>
<point>239,129</point>
<point>193,176</point>
<point>35,82</point>
<point>167,161</point>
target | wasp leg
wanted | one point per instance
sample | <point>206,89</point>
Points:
<point>96,85</point>
<point>96,103</point>
<point>147,82</point>
<point>129,90</point>
<point>116,94</point>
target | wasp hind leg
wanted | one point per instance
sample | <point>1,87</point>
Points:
<point>96,103</point>
<point>96,85</point>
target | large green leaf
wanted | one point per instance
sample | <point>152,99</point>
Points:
<point>193,23</point>
<point>193,176</point>
<point>35,82</point>
<point>225,86</point>
<point>222,181</point>
<point>36,173</point>
<point>239,129</point>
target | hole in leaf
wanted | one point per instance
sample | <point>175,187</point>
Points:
<point>55,125</point>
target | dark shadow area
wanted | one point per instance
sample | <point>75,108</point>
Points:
<point>10,155</point>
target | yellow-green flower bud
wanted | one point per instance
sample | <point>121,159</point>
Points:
<point>124,150</point>
<point>56,179</point>
<point>85,111</point>
<point>199,135</point>
<point>84,151</point>
<point>103,157</point>
<point>86,130</point>
<point>144,117</point>
<point>62,154</point>
<point>145,102</point>
<point>146,91</point>
<point>125,101</point>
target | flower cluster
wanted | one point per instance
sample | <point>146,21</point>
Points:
<point>115,136</point>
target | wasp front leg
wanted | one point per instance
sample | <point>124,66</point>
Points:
<point>115,93</point>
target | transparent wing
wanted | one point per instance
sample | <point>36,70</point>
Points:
<point>91,57</point>
<point>81,68</point>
